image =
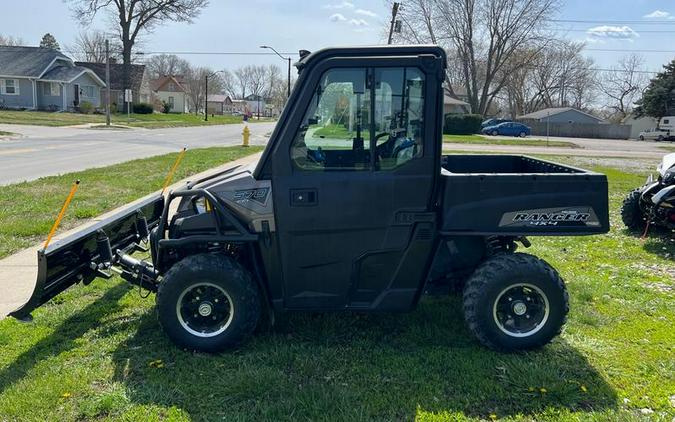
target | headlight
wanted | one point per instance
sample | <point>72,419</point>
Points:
<point>669,176</point>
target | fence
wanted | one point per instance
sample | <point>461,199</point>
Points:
<point>580,130</point>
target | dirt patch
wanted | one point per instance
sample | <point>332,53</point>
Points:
<point>630,165</point>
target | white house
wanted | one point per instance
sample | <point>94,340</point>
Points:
<point>169,89</point>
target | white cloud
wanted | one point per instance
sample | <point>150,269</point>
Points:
<point>658,14</point>
<point>337,17</point>
<point>613,32</point>
<point>341,5</point>
<point>358,22</point>
<point>365,12</point>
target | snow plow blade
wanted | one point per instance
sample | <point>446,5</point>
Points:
<point>77,257</point>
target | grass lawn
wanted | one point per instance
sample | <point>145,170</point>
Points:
<point>97,353</point>
<point>150,121</point>
<point>670,148</point>
<point>29,208</point>
<point>484,140</point>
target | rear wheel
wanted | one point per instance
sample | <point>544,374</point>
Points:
<point>515,302</point>
<point>642,138</point>
<point>208,303</point>
<point>660,138</point>
<point>631,213</point>
<point>523,134</point>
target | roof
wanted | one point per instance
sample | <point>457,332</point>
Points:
<point>373,50</point>
<point>216,98</point>
<point>542,114</point>
<point>158,83</point>
<point>68,74</point>
<point>29,62</point>
<point>449,100</point>
<point>116,74</point>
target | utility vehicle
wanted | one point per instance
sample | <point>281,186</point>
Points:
<point>653,202</point>
<point>352,206</point>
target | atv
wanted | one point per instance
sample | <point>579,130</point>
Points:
<point>654,202</point>
<point>352,207</point>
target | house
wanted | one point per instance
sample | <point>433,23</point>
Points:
<point>45,79</point>
<point>170,89</point>
<point>139,83</point>
<point>240,107</point>
<point>639,124</point>
<point>256,104</point>
<point>455,106</point>
<point>219,104</point>
<point>560,115</point>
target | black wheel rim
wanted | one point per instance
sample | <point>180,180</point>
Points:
<point>521,310</point>
<point>204,310</point>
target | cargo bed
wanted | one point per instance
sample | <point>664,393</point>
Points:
<point>519,195</point>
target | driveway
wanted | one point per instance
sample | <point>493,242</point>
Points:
<point>47,151</point>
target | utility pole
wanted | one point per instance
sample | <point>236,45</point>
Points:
<point>206,98</point>
<point>394,12</point>
<point>107,82</point>
<point>288,82</point>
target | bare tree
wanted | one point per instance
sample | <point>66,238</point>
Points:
<point>229,82</point>
<point>243,77</point>
<point>195,86</point>
<point>134,17</point>
<point>623,84</point>
<point>89,46</point>
<point>9,40</point>
<point>484,35</point>
<point>167,64</point>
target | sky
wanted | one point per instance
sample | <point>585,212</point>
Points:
<point>621,26</point>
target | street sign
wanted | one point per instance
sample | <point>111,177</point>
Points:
<point>128,96</point>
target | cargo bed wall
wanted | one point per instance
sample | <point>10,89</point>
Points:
<point>567,201</point>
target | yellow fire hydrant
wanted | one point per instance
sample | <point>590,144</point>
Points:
<point>245,135</point>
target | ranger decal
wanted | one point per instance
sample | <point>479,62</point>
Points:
<point>566,217</point>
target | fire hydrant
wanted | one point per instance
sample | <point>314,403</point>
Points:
<point>245,135</point>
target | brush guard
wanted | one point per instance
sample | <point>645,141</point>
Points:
<point>88,254</point>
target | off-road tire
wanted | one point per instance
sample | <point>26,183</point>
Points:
<point>488,284</point>
<point>224,273</point>
<point>631,214</point>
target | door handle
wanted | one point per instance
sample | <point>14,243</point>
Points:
<point>304,197</point>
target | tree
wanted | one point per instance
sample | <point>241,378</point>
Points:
<point>243,77</point>
<point>658,99</point>
<point>132,18</point>
<point>167,64</point>
<point>48,41</point>
<point>622,85</point>
<point>194,84</point>
<point>483,34</point>
<point>9,40</point>
<point>90,47</point>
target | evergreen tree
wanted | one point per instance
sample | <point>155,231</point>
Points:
<point>658,99</point>
<point>48,41</point>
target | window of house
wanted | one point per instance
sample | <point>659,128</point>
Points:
<point>9,86</point>
<point>88,91</point>
<point>171,86</point>
<point>362,119</point>
<point>51,89</point>
<point>171,101</point>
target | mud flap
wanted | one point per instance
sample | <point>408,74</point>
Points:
<point>75,258</point>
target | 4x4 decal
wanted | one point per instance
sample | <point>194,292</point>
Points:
<point>573,216</point>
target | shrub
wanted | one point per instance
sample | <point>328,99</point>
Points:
<point>166,107</point>
<point>86,107</point>
<point>462,124</point>
<point>143,108</point>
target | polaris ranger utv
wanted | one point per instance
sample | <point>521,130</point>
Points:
<point>352,206</point>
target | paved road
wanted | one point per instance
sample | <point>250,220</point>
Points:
<point>589,148</point>
<point>47,151</point>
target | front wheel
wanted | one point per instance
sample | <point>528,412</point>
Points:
<point>208,303</point>
<point>642,138</point>
<point>495,133</point>
<point>523,134</point>
<point>515,302</point>
<point>631,213</point>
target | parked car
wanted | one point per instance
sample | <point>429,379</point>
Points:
<point>657,134</point>
<point>507,129</point>
<point>493,122</point>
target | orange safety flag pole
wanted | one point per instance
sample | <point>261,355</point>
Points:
<point>169,176</point>
<point>73,189</point>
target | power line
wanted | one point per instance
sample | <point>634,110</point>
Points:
<point>634,22</point>
<point>623,50</point>
<point>640,31</point>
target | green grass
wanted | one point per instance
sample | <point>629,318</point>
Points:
<point>484,140</point>
<point>149,121</point>
<point>29,208</point>
<point>4,133</point>
<point>667,147</point>
<point>88,354</point>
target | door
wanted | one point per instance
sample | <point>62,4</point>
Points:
<point>353,190</point>
<point>76,95</point>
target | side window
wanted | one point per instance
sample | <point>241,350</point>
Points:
<point>335,131</point>
<point>359,116</point>
<point>398,116</point>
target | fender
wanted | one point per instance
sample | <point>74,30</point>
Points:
<point>663,195</point>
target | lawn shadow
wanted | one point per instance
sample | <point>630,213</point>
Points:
<point>660,242</point>
<point>64,336</point>
<point>353,367</point>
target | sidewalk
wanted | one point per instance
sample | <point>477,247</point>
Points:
<point>18,272</point>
